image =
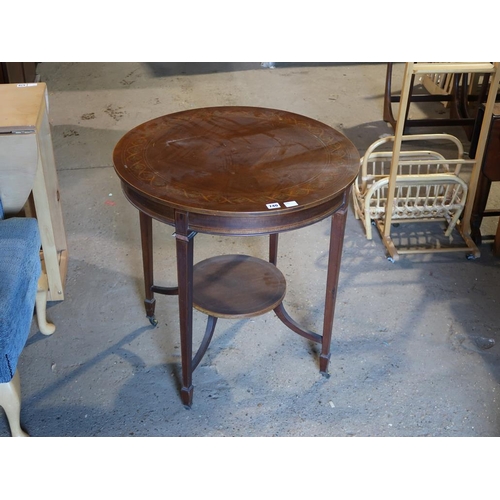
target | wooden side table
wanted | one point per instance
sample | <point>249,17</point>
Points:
<point>235,171</point>
<point>27,157</point>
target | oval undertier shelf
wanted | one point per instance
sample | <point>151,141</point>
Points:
<point>237,286</point>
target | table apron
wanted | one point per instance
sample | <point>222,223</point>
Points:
<point>238,224</point>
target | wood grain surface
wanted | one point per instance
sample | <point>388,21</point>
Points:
<point>224,160</point>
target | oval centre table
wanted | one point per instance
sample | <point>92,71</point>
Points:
<point>235,171</point>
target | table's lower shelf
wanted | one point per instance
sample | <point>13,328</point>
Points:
<point>237,286</point>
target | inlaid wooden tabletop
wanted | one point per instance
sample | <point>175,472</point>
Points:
<point>233,159</point>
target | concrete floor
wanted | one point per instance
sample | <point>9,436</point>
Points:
<point>409,354</point>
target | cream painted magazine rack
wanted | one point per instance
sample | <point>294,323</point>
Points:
<point>418,181</point>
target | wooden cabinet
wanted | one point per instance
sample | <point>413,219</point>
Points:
<point>27,164</point>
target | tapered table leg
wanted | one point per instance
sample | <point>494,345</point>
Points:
<point>273,248</point>
<point>184,248</point>
<point>479,207</point>
<point>334,258</point>
<point>146,224</point>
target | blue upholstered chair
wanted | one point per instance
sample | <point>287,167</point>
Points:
<point>20,278</point>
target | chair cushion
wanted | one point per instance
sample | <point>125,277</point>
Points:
<point>19,273</point>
